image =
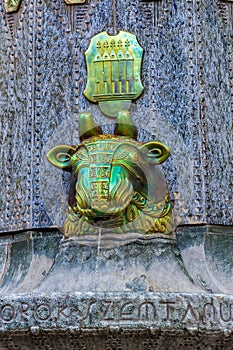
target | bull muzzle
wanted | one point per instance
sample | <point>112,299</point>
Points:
<point>102,204</point>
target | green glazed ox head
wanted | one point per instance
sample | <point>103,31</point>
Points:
<point>115,181</point>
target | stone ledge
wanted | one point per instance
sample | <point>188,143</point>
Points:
<point>117,311</point>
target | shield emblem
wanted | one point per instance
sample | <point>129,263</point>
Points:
<point>113,71</point>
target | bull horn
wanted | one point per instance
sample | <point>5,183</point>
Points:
<point>124,125</point>
<point>88,127</point>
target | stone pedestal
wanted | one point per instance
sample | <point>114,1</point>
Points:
<point>149,293</point>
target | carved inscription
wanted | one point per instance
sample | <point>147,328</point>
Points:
<point>167,304</point>
<point>43,312</point>
<point>7,313</point>
<point>87,311</point>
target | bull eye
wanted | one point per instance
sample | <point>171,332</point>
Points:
<point>133,156</point>
<point>127,153</point>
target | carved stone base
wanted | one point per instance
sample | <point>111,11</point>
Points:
<point>142,295</point>
<point>152,264</point>
<point>197,259</point>
<point>126,321</point>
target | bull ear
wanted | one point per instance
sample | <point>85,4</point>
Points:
<point>156,152</point>
<point>60,156</point>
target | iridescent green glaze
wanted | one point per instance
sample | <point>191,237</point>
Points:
<point>115,181</point>
<point>114,71</point>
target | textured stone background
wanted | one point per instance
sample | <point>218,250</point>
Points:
<point>188,79</point>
